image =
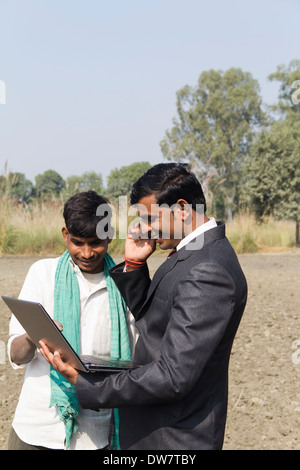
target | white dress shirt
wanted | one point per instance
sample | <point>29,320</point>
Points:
<point>195,233</point>
<point>34,422</point>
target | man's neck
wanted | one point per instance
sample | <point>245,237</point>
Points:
<point>197,221</point>
<point>207,224</point>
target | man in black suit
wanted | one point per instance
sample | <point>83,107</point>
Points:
<point>187,317</point>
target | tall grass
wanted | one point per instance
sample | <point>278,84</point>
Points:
<point>248,236</point>
<point>7,230</point>
<point>36,230</point>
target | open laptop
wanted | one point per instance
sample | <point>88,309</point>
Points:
<point>39,326</point>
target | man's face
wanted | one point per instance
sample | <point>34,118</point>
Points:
<point>160,223</point>
<point>87,253</point>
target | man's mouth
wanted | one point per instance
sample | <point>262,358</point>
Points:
<point>87,262</point>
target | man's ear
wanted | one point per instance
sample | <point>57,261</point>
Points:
<point>65,233</point>
<point>185,208</point>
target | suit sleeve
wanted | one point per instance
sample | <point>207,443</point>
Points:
<point>133,286</point>
<point>202,310</point>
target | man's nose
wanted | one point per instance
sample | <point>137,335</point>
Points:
<point>87,251</point>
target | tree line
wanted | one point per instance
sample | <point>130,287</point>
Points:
<point>246,154</point>
<point>51,184</point>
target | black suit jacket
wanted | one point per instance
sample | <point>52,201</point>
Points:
<point>187,317</point>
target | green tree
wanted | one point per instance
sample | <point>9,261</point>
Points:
<point>273,184</point>
<point>89,180</point>
<point>118,188</point>
<point>217,120</point>
<point>49,184</point>
<point>288,104</point>
<point>16,186</point>
<point>72,186</point>
<point>120,180</point>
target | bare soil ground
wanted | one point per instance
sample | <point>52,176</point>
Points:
<point>264,393</point>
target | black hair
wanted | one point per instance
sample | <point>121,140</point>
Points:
<point>80,213</point>
<point>169,182</point>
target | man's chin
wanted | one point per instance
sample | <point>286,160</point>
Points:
<point>91,268</point>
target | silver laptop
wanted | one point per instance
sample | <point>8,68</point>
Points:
<point>40,327</point>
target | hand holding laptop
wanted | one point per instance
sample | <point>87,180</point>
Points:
<point>23,347</point>
<point>68,372</point>
<point>41,327</point>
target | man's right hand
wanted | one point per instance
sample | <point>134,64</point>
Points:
<point>137,248</point>
<point>23,348</point>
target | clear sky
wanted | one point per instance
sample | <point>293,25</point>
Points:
<point>91,85</point>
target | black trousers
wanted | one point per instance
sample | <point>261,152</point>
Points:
<point>15,443</point>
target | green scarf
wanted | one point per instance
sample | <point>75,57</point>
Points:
<point>67,312</point>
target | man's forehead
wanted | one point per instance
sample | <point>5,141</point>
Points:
<point>83,239</point>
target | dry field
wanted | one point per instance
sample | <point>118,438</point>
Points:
<point>264,394</point>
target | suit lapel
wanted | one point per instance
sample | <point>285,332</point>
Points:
<point>184,253</point>
<point>169,263</point>
<point>164,268</point>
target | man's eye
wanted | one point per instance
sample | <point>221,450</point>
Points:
<point>76,242</point>
<point>97,243</point>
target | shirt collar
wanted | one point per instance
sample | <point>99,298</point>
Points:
<point>198,231</point>
<point>73,265</point>
<point>102,282</point>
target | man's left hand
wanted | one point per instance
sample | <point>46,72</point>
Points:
<point>68,372</point>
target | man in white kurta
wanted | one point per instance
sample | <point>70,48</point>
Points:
<point>35,423</point>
